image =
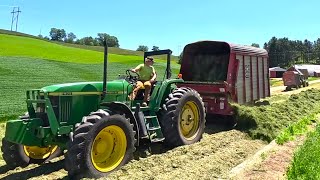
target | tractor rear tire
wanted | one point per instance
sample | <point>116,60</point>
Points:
<point>183,119</point>
<point>19,155</point>
<point>101,144</point>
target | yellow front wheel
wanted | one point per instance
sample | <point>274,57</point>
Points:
<point>101,144</point>
<point>20,155</point>
<point>39,153</point>
<point>109,148</point>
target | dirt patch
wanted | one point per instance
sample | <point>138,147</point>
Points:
<point>269,163</point>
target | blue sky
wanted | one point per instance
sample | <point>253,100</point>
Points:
<point>170,24</point>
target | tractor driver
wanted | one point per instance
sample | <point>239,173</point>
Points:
<point>147,76</point>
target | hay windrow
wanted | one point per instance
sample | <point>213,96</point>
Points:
<point>266,122</point>
<point>211,158</point>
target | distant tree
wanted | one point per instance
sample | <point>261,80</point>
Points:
<point>89,41</point>
<point>265,46</point>
<point>70,37</point>
<point>142,48</point>
<point>46,37</point>
<point>40,36</point>
<point>255,45</point>
<point>155,48</point>
<point>112,41</point>
<point>57,34</point>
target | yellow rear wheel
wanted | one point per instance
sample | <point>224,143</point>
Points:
<point>189,120</point>
<point>183,119</point>
<point>109,148</point>
<point>36,152</point>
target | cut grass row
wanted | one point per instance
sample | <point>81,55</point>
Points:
<point>306,161</point>
<point>19,74</point>
<point>267,122</point>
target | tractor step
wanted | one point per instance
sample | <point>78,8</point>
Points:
<point>149,117</point>
<point>157,140</point>
<point>154,128</point>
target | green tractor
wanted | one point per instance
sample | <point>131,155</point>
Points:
<point>98,127</point>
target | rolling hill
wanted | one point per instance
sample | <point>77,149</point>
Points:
<point>111,50</point>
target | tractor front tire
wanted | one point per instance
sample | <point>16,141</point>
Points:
<point>19,155</point>
<point>183,119</point>
<point>101,144</point>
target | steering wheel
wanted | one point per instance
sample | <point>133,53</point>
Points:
<point>132,77</point>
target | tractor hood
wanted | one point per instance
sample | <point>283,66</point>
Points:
<point>116,85</point>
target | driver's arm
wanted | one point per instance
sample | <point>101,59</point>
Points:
<point>137,69</point>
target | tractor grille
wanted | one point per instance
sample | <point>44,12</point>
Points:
<point>62,107</point>
<point>65,111</point>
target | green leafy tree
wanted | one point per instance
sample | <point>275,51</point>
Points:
<point>255,45</point>
<point>57,34</point>
<point>112,41</point>
<point>155,48</point>
<point>143,48</point>
<point>70,37</point>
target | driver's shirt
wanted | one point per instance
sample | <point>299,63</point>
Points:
<point>145,72</point>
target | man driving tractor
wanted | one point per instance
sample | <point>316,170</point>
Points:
<point>147,75</point>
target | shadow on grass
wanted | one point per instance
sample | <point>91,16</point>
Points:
<point>44,169</point>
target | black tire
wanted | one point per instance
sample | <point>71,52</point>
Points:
<point>78,160</point>
<point>15,156</point>
<point>171,117</point>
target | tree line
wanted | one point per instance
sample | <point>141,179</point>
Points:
<point>61,35</point>
<point>285,53</point>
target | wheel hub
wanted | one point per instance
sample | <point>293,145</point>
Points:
<point>108,148</point>
<point>189,120</point>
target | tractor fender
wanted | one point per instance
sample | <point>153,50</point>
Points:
<point>121,108</point>
<point>161,94</point>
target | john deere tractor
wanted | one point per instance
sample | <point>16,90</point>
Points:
<point>96,124</point>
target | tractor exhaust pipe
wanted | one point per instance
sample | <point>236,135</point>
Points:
<point>105,66</point>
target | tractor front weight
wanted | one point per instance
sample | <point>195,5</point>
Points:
<point>35,131</point>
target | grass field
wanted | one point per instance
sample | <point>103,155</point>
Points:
<point>19,74</point>
<point>276,82</point>
<point>111,50</point>
<point>34,48</point>
<point>306,161</point>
